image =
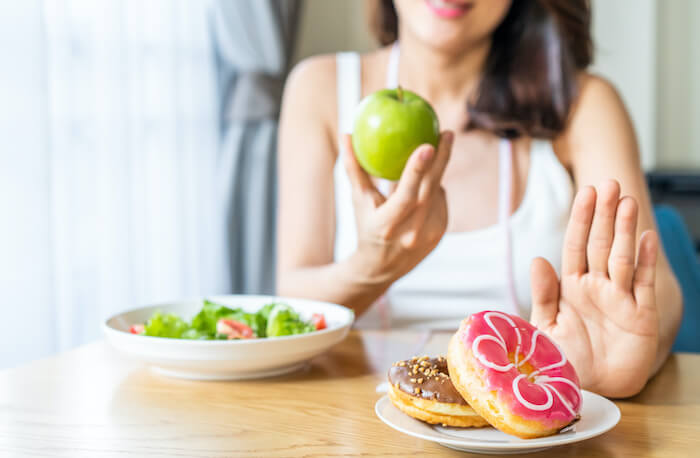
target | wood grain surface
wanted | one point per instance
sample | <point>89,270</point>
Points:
<point>90,402</point>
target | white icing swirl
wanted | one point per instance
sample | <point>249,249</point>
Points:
<point>528,404</point>
<point>487,318</point>
<point>485,361</point>
<point>543,381</point>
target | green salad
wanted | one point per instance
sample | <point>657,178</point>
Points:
<point>219,322</point>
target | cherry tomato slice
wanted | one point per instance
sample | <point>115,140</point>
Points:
<point>234,329</point>
<point>319,321</point>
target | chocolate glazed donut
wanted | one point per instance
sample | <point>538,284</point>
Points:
<point>421,388</point>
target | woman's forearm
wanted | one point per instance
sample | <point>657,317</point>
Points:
<point>669,302</point>
<point>349,283</point>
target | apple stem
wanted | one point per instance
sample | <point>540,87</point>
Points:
<point>399,93</point>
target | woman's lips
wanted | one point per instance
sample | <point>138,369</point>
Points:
<point>448,9</point>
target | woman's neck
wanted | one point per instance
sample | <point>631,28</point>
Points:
<point>439,75</point>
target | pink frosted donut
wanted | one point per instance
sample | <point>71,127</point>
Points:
<point>513,375</point>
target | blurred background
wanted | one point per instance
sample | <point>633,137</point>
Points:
<point>138,143</point>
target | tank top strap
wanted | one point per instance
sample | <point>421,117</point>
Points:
<point>392,70</point>
<point>349,88</point>
<point>505,199</point>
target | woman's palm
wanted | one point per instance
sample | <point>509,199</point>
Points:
<point>602,312</point>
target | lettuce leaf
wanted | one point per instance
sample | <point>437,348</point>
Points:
<point>272,320</point>
<point>165,325</point>
<point>205,321</point>
<point>284,321</point>
<point>264,312</point>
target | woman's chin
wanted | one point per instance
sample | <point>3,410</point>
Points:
<point>447,41</point>
<point>451,25</point>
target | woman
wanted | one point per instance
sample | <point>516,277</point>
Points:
<point>526,128</point>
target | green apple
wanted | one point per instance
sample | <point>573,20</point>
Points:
<point>389,125</point>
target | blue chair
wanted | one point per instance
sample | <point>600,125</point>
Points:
<point>684,262</point>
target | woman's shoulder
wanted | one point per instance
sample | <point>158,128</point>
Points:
<point>314,69</point>
<point>597,102</point>
<point>312,79</point>
<point>312,83</point>
<point>319,71</point>
<point>595,89</point>
<point>598,108</point>
<point>310,95</point>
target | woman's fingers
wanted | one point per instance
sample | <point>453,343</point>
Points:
<point>428,221</point>
<point>622,254</point>
<point>421,177</point>
<point>576,238</point>
<point>545,293</point>
<point>405,197</point>
<point>359,178</point>
<point>645,275</point>
<point>600,239</point>
<point>433,177</point>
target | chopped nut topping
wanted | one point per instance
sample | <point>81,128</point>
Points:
<point>402,363</point>
<point>416,390</point>
<point>420,380</point>
<point>413,380</point>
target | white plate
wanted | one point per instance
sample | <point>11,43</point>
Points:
<point>229,359</point>
<point>598,415</point>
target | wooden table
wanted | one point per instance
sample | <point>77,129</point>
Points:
<point>90,402</point>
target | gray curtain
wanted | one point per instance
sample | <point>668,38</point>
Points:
<point>253,42</point>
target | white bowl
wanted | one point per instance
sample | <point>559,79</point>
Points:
<point>228,359</point>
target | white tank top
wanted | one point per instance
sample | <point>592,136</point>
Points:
<point>470,271</point>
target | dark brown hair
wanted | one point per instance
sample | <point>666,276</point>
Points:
<point>529,82</point>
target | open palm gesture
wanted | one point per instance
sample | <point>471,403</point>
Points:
<point>602,311</point>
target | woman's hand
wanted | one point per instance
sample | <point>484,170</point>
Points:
<point>603,311</point>
<point>395,233</point>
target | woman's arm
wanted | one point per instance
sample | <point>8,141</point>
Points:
<point>394,234</point>
<point>306,208</point>
<point>600,144</point>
